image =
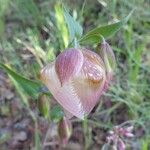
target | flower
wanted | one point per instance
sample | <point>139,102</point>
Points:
<point>76,79</point>
<point>118,135</point>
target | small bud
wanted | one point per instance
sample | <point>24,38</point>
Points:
<point>107,55</point>
<point>121,145</point>
<point>111,132</point>
<point>129,134</point>
<point>129,129</point>
<point>110,139</point>
<point>43,105</point>
<point>64,130</point>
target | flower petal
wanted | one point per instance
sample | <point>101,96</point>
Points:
<point>68,63</point>
<point>129,129</point>
<point>89,84</point>
<point>121,145</point>
<point>64,94</point>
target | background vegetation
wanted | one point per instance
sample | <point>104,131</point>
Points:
<point>33,33</point>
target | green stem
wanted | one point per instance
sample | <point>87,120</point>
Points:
<point>85,130</point>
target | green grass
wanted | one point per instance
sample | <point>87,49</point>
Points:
<point>37,30</point>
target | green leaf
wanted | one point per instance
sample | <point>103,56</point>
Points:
<point>56,113</point>
<point>94,36</point>
<point>74,27</point>
<point>28,86</point>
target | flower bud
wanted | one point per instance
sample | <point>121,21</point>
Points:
<point>43,105</point>
<point>127,134</point>
<point>121,145</point>
<point>108,57</point>
<point>76,79</point>
<point>130,129</point>
<point>64,130</point>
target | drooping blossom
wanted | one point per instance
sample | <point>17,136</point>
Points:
<point>77,79</point>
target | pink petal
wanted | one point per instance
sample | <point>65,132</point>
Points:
<point>127,134</point>
<point>121,145</point>
<point>130,129</point>
<point>69,99</point>
<point>65,95</point>
<point>68,64</point>
<point>88,85</point>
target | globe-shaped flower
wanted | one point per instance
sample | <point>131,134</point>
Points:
<point>76,79</point>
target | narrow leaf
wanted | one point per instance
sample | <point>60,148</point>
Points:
<point>29,87</point>
<point>94,36</point>
<point>74,27</point>
<point>61,24</point>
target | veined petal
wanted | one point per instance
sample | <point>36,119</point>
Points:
<point>92,57</point>
<point>69,99</point>
<point>89,84</point>
<point>47,73</point>
<point>68,64</point>
<point>64,94</point>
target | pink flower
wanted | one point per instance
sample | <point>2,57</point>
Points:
<point>118,135</point>
<point>76,79</point>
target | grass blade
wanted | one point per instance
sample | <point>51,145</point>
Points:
<point>74,27</point>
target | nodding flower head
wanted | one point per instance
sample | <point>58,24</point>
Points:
<point>76,79</point>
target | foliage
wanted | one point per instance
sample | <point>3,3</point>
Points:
<point>30,87</point>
